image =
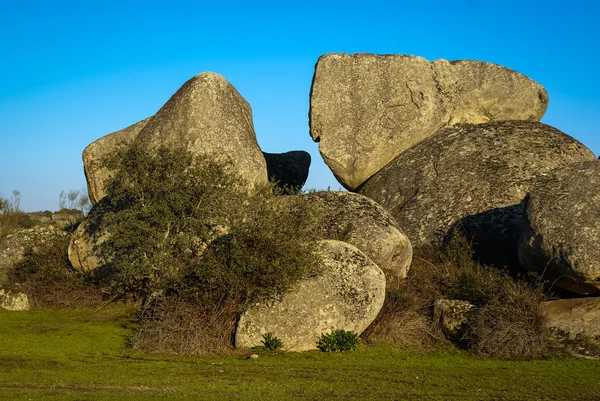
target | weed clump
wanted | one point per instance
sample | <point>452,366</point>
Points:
<point>507,322</point>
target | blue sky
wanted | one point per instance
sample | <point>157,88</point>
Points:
<point>73,71</point>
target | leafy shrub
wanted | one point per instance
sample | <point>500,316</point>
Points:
<point>508,322</point>
<point>46,276</point>
<point>338,340</point>
<point>189,227</point>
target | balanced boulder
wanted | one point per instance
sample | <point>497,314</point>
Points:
<point>288,170</point>
<point>475,175</point>
<point>365,109</point>
<point>346,296</point>
<point>96,174</point>
<point>561,236</point>
<point>207,116</point>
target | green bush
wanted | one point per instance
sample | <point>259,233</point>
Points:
<point>338,340</point>
<point>188,229</point>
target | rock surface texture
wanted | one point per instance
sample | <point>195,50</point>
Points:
<point>562,232</point>
<point>97,175</point>
<point>365,109</point>
<point>359,221</point>
<point>475,175</point>
<point>13,301</point>
<point>289,170</point>
<point>573,317</point>
<point>207,116</point>
<point>348,296</point>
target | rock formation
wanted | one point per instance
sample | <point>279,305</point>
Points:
<point>475,175</point>
<point>560,237</point>
<point>366,109</point>
<point>347,296</point>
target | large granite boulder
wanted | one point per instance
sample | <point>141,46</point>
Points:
<point>207,116</point>
<point>84,248</point>
<point>365,109</point>
<point>573,317</point>
<point>359,221</point>
<point>346,296</point>
<point>473,175</point>
<point>561,235</point>
<point>288,170</point>
<point>96,174</point>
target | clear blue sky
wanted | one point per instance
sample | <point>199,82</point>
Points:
<point>73,71</point>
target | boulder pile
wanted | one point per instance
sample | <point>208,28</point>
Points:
<point>207,116</point>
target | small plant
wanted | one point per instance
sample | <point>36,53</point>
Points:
<point>270,343</point>
<point>339,340</point>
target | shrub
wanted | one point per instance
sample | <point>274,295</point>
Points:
<point>338,340</point>
<point>46,276</point>
<point>508,322</point>
<point>189,229</point>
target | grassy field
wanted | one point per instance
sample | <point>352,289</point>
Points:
<point>79,355</point>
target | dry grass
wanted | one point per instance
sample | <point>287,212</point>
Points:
<point>508,323</point>
<point>173,325</point>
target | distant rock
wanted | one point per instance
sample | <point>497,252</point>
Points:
<point>560,237</point>
<point>207,116</point>
<point>347,296</point>
<point>473,175</point>
<point>289,170</point>
<point>98,175</point>
<point>359,221</point>
<point>365,109</point>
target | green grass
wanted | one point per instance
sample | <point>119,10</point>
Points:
<point>79,355</point>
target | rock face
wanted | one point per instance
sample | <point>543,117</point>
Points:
<point>97,175</point>
<point>560,237</point>
<point>451,316</point>
<point>475,175</point>
<point>359,221</point>
<point>208,116</point>
<point>347,296</point>
<point>365,109</point>
<point>289,170</point>
<point>573,317</point>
